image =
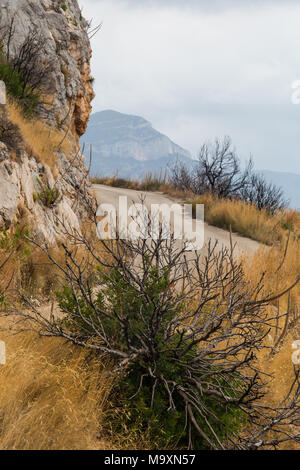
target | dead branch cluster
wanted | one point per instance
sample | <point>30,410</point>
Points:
<point>27,58</point>
<point>218,171</point>
<point>148,301</point>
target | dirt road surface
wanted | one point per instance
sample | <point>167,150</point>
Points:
<point>110,195</point>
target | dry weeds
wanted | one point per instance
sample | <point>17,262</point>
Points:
<point>41,140</point>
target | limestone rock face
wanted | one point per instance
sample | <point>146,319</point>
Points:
<point>69,93</point>
<point>20,189</point>
<point>66,46</point>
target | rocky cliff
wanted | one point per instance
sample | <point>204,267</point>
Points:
<point>65,44</point>
<point>40,180</point>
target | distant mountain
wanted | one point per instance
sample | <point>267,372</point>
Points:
<point>128,146</point>
<point>289,182</point>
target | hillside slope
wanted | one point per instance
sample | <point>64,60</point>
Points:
<point>125,145</point>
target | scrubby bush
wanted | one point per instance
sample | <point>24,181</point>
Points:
<point>182,333</point>
<point>264,195</point>
<point>24,71</point>
<point>152,378</point>
<point>47,196</point>
<point>218,172</point>
<point>16,87</point>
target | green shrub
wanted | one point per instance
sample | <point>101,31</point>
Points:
<point>144,411</point>
<point>47,196</point>
<point>16,86</point>
<point>182,335</point>
<point>15,240</point>
<point>166,428</point>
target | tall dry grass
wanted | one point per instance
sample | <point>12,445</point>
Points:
<point>55,396</point>
<point>26,267</point>
<point>247,220</point>
<point>41,140</point>
<point>280,267</point>
<point>52,396</point>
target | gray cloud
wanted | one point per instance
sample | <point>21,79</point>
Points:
<point>196,74</point>
<point>209,5</point>
<point>204,5</point>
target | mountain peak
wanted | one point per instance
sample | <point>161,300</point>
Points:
<point>118,137</point>
<point>109,115</point>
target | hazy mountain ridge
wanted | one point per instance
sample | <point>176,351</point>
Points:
<point>289,182</point>
<point>126,144</point>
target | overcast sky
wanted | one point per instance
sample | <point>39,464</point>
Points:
<point>200,69</point>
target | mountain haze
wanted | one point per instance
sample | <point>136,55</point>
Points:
<point>128,145</point>
<point>289,182</point>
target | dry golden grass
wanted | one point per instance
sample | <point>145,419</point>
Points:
<point>281,367</point>
<point>52,396</point>
<point>281,267</point>
<point>41,140</point>
<point>247,220</point>
<point>149,183</point>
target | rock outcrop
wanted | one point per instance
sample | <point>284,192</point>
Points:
<point>66,46</point>
<point>68,91</point>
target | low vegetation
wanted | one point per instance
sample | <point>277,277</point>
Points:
<point>25,74</point>
<point>188,363</point>
<point>47,196</point>
<point>52,396</point>
<point>154,341</point>
<point>218,172</point>
<point>246,219</point>
<point>73,403</point>
<point>24,71</point>
<point>148,183</point>
<point>41,141</point>
<point>16,87</point>
<point>138,346</point>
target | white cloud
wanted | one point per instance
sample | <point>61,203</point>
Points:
<point>196,74</point>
